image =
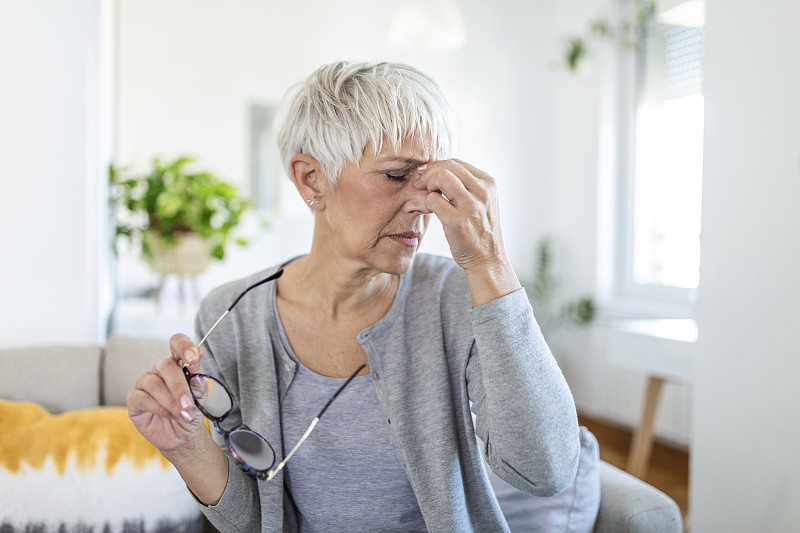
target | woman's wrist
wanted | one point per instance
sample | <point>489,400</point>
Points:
<point>203,467</point>
<point>488,282</point>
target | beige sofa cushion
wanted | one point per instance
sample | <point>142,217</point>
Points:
<point>126,358</point>
<point>59,378</point>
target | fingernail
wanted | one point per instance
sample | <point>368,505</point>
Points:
<point>187,415</point>
<point>186,401</point>
<point>189,356</point>
<point>422,168</point>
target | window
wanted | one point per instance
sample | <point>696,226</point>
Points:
<point>265,164</point>
<point>659,254</point>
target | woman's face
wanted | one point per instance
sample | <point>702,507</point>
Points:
<point>375,215</point>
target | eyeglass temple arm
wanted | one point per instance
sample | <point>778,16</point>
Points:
<point>272,473</point>
<point>345,384</point>
<point>276,275</point>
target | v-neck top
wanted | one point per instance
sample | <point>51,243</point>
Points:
<point>346,476</point>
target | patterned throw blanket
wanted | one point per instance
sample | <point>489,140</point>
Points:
<point>86,471</point>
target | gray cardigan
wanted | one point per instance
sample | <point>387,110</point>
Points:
<point>431,357</point>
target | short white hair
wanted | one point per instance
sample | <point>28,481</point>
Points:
<point>346,106</point>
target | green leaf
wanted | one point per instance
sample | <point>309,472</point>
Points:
<point>576,52</point>
<point>218,251</point>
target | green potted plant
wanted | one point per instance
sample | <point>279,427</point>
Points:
<point>181,217</point>
<point>551,313</point>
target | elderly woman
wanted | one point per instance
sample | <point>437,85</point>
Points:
<point>398,349</point>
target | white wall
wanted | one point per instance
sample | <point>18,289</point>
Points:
<point>745,473</point>
<point>189,69</point>
<point>54,145</point>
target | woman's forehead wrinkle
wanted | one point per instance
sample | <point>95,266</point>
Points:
<point>401,159</point>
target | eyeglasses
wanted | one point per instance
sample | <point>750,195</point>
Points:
<point>252,451</point>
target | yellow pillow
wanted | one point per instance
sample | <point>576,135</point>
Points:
<point>89,468</point>
<point>78,436</point>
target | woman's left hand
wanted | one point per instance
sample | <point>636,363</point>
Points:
<point>464,199</point>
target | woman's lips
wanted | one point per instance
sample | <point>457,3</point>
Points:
<point>409,238</point>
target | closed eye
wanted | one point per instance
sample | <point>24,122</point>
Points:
<point>396,177</point>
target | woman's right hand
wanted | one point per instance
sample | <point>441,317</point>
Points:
<point>160,404</point>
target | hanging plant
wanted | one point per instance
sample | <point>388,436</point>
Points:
<point>601,29</point>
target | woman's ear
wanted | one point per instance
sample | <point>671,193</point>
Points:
<point>308,178</point>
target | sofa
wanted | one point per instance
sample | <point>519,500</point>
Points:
<point>71,460</point>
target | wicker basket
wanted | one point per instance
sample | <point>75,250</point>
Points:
<point>190,255</point>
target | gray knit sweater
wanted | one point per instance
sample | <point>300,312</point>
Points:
<point>431,357</point>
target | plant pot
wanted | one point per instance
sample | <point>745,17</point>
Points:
<point>189,256</point>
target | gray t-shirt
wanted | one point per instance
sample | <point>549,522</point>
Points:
<point>347,472</point>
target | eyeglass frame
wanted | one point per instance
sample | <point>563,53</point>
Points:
<point>267,473</point>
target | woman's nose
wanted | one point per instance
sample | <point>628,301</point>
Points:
<point>417,193</point>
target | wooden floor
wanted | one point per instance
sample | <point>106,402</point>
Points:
<point>669,466</point>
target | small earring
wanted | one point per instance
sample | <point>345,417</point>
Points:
<point>316,202</point>
<point>308,202</point>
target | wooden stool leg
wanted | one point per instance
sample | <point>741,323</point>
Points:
<point>181,288</point>
<point>195,290</point>
<point>160,289</point>
<point>642,443</point>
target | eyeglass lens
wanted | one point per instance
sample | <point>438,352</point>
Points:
<point>211,396</point>
<point>215,402</point>
<point>252,448</point>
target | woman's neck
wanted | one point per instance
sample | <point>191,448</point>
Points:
<point>337,287</point>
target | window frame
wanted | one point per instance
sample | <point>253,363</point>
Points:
<point>627,296</point>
